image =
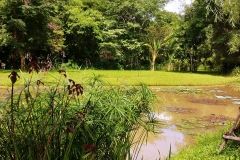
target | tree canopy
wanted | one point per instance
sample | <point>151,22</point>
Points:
<point>106,34</point>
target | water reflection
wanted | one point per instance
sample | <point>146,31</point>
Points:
<point>163,116</point>
<point>236,102</point>
<point>160,146</point>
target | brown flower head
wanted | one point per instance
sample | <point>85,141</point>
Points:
<point>33,66</point>
<point>61,71</point>
<point>71,82</point>
<point>39,82</point>
<point>74,88</point>
<point>90,148</point>
<point>79,89</point>
<point>13,76</point>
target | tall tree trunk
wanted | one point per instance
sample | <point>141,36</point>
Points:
<point>153,62</point>
<point>22,61</point>
<point>131,63</point>
<point>191,54</point>
<point>191,65</point>
<point>25,2</point>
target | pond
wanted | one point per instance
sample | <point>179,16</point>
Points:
<point>187,111</point>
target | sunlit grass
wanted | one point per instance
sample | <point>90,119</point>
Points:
<point>117,77</point>
<point>206,148</point>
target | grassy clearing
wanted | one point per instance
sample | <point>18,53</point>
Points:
<point>116,77</point>
<point>206,148</point>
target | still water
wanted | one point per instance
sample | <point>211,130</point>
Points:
<point>187,111</point>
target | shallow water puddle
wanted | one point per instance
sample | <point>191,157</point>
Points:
<point>158,145</point>
<point>187,111</point>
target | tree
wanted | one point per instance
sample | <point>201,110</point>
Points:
<point>132,18</point>
<point>82,26</point>
<point>159,34</point>
<point>84,29</point>
<point>195,32</point>
<point>224,10</point>
<point>154,48</point>
<point>33,26</point>
<point>226,27</point>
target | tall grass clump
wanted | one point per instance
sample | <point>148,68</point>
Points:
<point>69,120</point>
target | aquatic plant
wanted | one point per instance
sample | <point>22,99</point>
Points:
<point>69,120</point>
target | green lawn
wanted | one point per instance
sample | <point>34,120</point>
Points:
<point>117,77</point>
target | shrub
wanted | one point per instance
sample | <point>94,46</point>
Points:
<point>67,121</point>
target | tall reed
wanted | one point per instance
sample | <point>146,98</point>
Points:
<point>67,121</point>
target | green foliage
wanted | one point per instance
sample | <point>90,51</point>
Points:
<point>67,121</point>
<point>224,10</point>
<point>235,72</point>
<point>234,43</point>
<point>79,20</point>
<point>5,38</point>
<point>31,27</point>
<point>103,31</point>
